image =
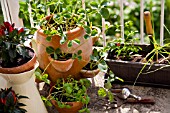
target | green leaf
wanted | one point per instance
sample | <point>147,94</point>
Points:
<point>104,3</point>
<point>87,100</point>
<point>86,36</point>
<point>66,2</point>
<point>55,56</point>
<point>49,49</point>
<point>87,29</point>
<point>68,15</point>
<point>79,58</point>
<point>70,43</point>
<point>94,32</point>
<point>94,5</point>
<point>105,13</point>
<point>67,106</point>
<point>82,110</point>
<point>38,75</point>
<point>45,76</point>
<point>81,10</point>
<point>76,41</point>
<point>57,51</point>
<point>108,85</point>
<point>93,58</point>
<point>60,104</point>
<point>48,38</point>
<point>53,32</point>
<point>48,103</point>
<point>102,67</point>
<point>102,92</point>
<point>111,96</point>
<point>68,88</point>
<point>74,56</point>
<point>47,32</point>
<point>79,52</point>
<point>8,45</point>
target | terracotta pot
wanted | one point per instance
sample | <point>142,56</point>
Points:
<point>75,107</point>
<point>85,46</point>
<point>89,73</point>
<point>22,68</point>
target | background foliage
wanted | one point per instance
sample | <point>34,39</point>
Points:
<point>131,12</point>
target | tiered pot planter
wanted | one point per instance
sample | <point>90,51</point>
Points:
<point>22,80</point>
<point>85,46</point>
<point>128,71</point>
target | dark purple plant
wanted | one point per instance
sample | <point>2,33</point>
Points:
<point>9,101</point>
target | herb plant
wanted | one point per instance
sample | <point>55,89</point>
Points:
<point>70,90</point>
<point>124,48</point>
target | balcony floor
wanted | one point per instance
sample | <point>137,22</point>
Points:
<point>161,95</point>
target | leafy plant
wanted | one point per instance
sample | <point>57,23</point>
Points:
<point>97,60</point>
<point>105,91</point>
<point>124,48</point>
<point>57,54</point>
<point>9,101</point>
<point>69,90</point>
<point>64,16</point>
<point>12,46</point>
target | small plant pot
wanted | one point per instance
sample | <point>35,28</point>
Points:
<point>89,73</point>
<point>22,68</point>
<point>61,66</point>
<point>75,107</point>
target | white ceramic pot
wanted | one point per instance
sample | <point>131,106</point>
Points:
<point>24,84</point>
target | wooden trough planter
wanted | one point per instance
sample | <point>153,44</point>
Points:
<point>129,71</point>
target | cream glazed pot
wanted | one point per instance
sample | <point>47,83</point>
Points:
<point>24,84</point>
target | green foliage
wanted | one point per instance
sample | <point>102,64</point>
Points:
<point>70,90</point>
<point>124,48</point>
<point>41,76</point>
<point>97,60</point>
<point>65,17</point>
<point>9,101</point>
<point>58,54</point>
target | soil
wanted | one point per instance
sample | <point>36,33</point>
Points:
<point>19,60</point>
<point>98,105</point>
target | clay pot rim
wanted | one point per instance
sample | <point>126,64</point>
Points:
<point>31,61</point>
<point>89,73</point>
